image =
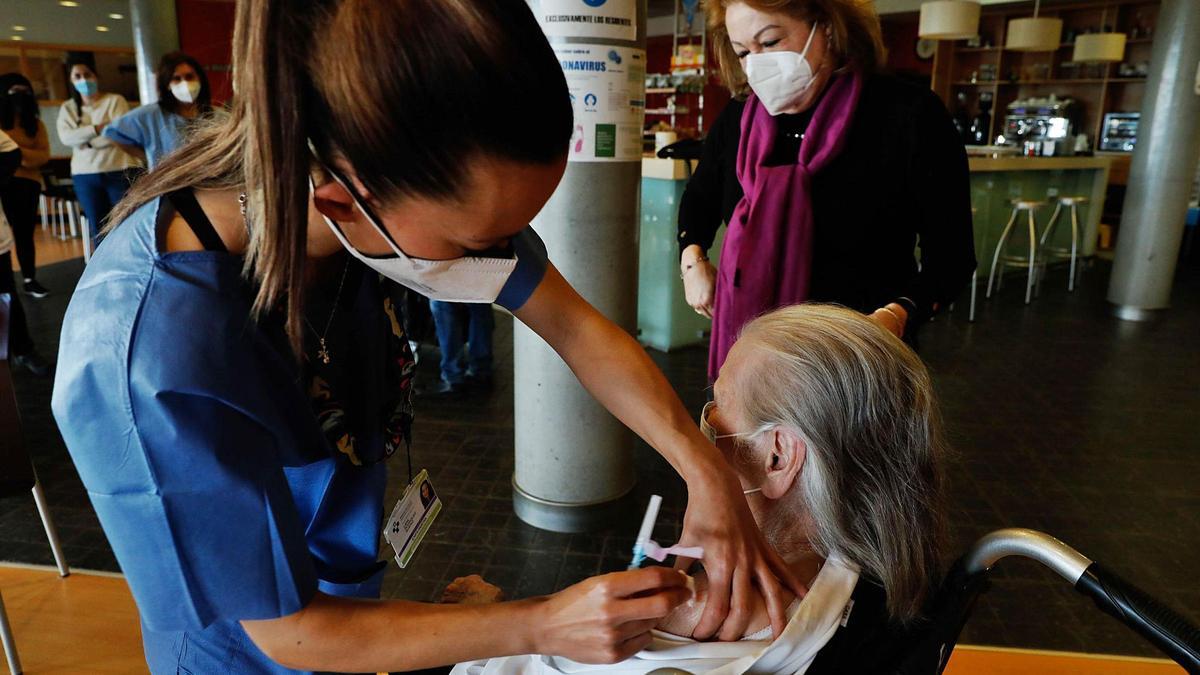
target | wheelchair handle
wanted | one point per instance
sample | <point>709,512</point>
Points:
<point>1162,626</point>
<point>1156,622</point>
<point>992,547</point>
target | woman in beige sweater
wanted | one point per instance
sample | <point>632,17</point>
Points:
<point>19,119</point>
<point>98,166</point>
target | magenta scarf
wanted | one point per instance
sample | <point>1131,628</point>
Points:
<point>766,261</point>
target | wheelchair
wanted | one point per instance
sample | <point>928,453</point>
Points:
<point>925,648</point>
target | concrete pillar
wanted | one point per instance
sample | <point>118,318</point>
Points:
<point>574,461</point>
<point>155,32</point>
<point>1164,163</point>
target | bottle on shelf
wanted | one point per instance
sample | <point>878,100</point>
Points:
<point>962,122</point>
<point>978,132</point>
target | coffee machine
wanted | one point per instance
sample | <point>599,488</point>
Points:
<point>1041,127</point>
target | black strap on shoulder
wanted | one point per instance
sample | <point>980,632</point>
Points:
<point>186,205</point>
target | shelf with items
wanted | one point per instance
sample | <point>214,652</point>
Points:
<point>982,68</point>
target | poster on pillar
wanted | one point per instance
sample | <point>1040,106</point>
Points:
<point>610,19</point>
<point>607,86</point>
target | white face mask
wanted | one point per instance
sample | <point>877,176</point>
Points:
<point>711,434</point>
<point>780,79</point>
<point>186,91</point>
<point>466,279</point>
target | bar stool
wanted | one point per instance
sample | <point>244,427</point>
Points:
<point>1028,206</point>
<point>1071,203</point>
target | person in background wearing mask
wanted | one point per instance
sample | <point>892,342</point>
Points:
<point>97,165</point>
<point>19,119</point>
<point>250,541</point>
<point>151,131</point>
<point>20,344</point>
<point>828,174</point>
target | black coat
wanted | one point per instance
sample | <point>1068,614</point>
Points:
<point>901,179</point>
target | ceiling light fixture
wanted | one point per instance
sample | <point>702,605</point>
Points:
<point>1034,34</point>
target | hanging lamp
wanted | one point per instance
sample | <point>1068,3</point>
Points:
<point>1106,47</point>
<point>949,20</point>
<point>1034,34</point>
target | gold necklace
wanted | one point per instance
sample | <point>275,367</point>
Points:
<point>322,345</point>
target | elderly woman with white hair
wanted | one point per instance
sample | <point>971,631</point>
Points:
<point>831,423</point>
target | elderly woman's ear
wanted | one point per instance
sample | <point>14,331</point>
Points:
<point>784,462</point>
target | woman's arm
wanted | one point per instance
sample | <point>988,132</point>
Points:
<point>615,369</point>
<point>601,620</point>
<point>941,195</point>
<point>70,131</point>
<point>37,153</point>
<point>132,150</point>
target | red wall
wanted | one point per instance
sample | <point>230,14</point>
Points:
<point>206,32</point>
<point>716,96</point>
<point>900,38</point>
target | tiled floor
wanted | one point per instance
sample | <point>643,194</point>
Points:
<point>1063,419</point>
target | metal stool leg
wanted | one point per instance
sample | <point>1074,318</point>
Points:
<point>1047,233</point>
<point>86,227</point>
<point>1074,245</point>
<point>1032,258</point>
<point>1000,247</point>
<point>72,218</point>
<point>39,498</point>
<point>10,645</point>
<point>974,280</point>
<point>45,209</point>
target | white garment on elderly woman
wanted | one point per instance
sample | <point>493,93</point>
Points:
<point>811,624</point>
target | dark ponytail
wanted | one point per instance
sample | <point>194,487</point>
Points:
<point>408,93</point>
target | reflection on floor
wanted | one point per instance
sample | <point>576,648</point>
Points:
<point>1063,419</point>
<point>48,612</point>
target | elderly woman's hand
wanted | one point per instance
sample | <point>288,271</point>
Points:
<point>471,590</point>
<point>739,562</point>
<point>699,280</point>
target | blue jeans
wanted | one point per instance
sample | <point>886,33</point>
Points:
<point>98,193</point>
<point>464,323</point>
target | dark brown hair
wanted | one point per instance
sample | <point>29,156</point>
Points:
<point>856,39</point>
<point>166,71</point>
<point>407,92</point>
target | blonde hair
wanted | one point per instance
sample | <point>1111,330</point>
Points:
<point>872,481</point>
<point>856,40</point>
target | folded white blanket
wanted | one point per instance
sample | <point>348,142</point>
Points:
<point>812,623</point>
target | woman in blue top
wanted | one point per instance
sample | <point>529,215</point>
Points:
<point>247,540</point>
<point>154,130</point>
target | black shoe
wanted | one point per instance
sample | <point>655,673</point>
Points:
<point>32,287</point>
<point>33,362</point>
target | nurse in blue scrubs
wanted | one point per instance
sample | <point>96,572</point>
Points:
<point>153,130</point>
<point>418,137</point>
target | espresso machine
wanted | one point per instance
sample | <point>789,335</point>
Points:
<point>1041,127</point>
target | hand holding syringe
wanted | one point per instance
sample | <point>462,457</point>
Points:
<point>644,547</point>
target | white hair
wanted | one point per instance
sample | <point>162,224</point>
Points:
<point>871,485</point>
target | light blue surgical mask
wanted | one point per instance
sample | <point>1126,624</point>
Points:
<point>711,434</point>
<point>87,87</point>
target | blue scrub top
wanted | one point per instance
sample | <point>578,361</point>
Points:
<point>150,128</point>
<point>200,452</point>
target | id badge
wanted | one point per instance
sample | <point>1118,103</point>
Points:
<point>412,517</point>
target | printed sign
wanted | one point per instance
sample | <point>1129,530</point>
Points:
<point>612,19</point>
<point>607,86</point>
